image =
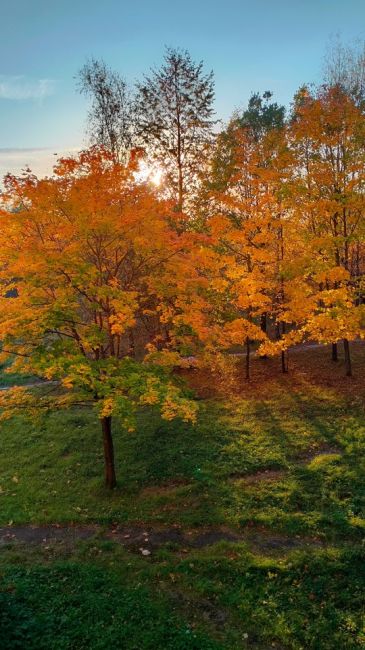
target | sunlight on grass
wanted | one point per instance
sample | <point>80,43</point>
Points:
<point>283,472</point>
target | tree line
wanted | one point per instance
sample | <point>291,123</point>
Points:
<point>254,237</point>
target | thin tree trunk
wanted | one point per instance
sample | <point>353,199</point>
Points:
<point>334,352</point>
<point>180,188</point>
<point>179,164</point>
<point>132,347</point>
<point>110,477</point>
<point>284,360</point>
<point>247,359</point>
<point>263,326</point>
<point>277,331</point>
<point>346,347</point>
<point>263,322</point>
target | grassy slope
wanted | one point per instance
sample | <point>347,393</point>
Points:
<point>173,474</point>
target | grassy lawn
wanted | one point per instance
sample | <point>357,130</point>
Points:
<point>278,464</point>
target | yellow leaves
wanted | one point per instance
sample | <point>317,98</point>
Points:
<point>334,324</point>
<point>166,313</point>
<point>332,297</point>
<point>219,225</point>
<point>252,299</point>
<point>121,321</point>
<point>50,372</point>
<point>82,370</point>
<point>333,275</point>
<point>107,406</point>
<point>152,394</point>
<point>173,403</point>
<point>219,284</point>
<point>176,406</point>
<point>14,400</point>
<point>236,272</point>
<point>163,358</point>
<point>239,329</point>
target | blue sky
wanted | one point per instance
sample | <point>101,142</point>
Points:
<point>250,45</point>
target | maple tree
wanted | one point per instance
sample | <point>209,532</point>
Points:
<point>106,290</point>
<point>94,262</point>
<point>246,223</point>
<point>246,236</point>
<point>327,136</point>
<point>284,208</point>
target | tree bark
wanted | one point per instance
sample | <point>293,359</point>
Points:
<point>247,359</point>
<point>110,477</point>
<point>346,347</point>
<point>284,361</point>
<point>180,188</point>
<point>263,326</point>
<point>263,322</point>
<point>284,353</point>
<point>334,352</point>
<point>179,163</point>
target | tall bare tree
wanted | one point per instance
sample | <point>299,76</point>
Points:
<point>344,66</point>
<point>110,119</point>
<point>175,120</point>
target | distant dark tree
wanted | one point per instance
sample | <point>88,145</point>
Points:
<point>175,120</point>
<point>110,119</point>
<point>262,115</point>
<point>259,118</point>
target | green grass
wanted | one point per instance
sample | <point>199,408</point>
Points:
<point>226,596</point>
<point>73,605</point>
<point>14,378</point>
<point>56,468</point>
<point>100,596</point>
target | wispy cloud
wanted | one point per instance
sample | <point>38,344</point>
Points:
<point>21,88</point>
<point>40,160</point>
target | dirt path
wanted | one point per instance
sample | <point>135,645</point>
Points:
<point>145,540</point>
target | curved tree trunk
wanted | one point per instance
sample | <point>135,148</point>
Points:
<point>334,352</point>
<point>110,477</point>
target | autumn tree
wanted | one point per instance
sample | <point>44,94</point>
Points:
<point>93,260</point>
<point>248,184</point>
<point>111,115</point>
<point>327,139</point>
<point>242,244</point>
<point>245,144</point>
<point>175,121</point>
<point>261,118</point>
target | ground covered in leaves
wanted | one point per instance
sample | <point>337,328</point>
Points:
<point>245,530</point>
